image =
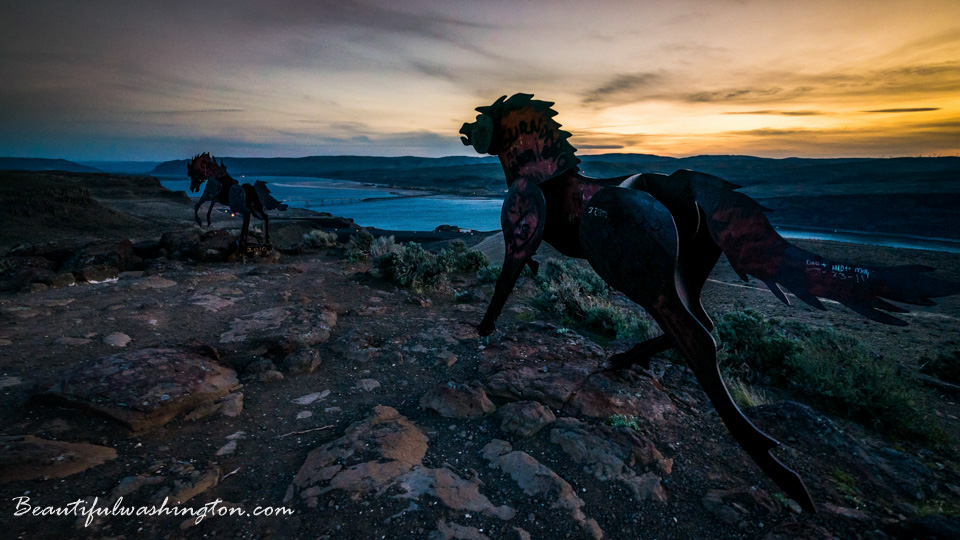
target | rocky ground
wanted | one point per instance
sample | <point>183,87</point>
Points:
<point>299,381</point>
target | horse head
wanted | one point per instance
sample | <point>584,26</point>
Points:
<point>203,167</point>
<point>521,131</point>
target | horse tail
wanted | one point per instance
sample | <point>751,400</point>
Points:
<point>266,198</point>
<point>738,225</point>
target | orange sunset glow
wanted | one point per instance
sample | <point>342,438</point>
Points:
<point>113,80</point>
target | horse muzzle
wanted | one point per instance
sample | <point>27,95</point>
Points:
<point>479,134</point>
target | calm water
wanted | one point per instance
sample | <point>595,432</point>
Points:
<point>404,213</point>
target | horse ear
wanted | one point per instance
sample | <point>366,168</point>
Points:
<point>482,134</point>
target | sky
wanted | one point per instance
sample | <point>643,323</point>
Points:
<point>121,80</point>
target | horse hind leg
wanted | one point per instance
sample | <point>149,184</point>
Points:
<point>631,241</point>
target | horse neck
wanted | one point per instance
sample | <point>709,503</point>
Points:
<point>533,146</point>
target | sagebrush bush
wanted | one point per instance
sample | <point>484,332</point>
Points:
<point>358,247</point>
<point>411,266</point>
<point>833,371</point>
<point>383,245</point>
<point>460,259</point>
<point>577,296</point>
<point>318,238</point>
<point>489,273</point>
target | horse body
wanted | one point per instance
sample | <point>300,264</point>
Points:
<point>656,238</point>
<point>243,199</point>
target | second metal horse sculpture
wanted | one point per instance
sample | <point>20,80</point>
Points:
<point>656,238</point>
<point>243,199</point>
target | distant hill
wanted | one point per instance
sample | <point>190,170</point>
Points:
<point>42,164</point>
<point>123,167</point>
<point>761,177</point>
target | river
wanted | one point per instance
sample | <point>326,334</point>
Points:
<point>409,210</point>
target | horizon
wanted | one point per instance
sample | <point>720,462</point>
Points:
<point>116,82</point>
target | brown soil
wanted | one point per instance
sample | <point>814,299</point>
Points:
<point>414,337</point>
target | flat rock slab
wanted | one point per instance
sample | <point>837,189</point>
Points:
<point>144,388</point>
<point>455,400</point>
<point>397,447</point>
<point>613,454</point>
<point>536,480</point>
<point>525,418</point>
<point>30,458</point>
<point>284,328</point>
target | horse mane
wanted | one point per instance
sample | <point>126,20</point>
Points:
<point>530,142</point>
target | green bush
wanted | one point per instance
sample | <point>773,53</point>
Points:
<point>489,274</point>
<point>834,372</point>
<point>318,238</point>
<point>623,420</point>
<point>578,297</point>
<point>358,247</point>
<point>459,259</point>
<point>411,266</point>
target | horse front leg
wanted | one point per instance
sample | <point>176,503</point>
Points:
<point>196,210</point>
<point>210,210</point>
<point>242,242</point>
<point>266,227</point>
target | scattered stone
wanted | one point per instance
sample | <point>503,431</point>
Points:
<point>734,505</point>
<point>446,358</point>
<point>5,342</point>
<point>184,481</point>
<point>397,448</point>
<point>310,398</point>
<point>452,490</point>
<point>610,454</point>
<point>304,414</point>
<point>537,480</point>
<point>455,400</point>
<point>843,512</point>
<point>227,449</point>
<point>116,339</point>
<point>231,405</point>
<point>286,329</point>
<point>144,388</point>
<point>793,531</point>
<point>102,260</point>
<point>154,282</point>
<point>270,376</point>
<point>237,436</point>
<point>525,418</point>
<point>6,382</point>
<point>30,458</point>
<point>302,362</point>
<point>368,385</point>
<point>211,302</point>
<point>65,279</point>
<point>355,347</point>
<point>454,531</point>
<point>258,366</point>
<point>71,341</point>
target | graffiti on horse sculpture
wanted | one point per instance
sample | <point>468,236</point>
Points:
<point>243,199</point>
<point>656,238</point>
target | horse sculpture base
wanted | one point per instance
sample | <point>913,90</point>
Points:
<point>256,249</point>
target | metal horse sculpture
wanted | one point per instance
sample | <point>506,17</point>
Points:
<point>656,238</point>
<point>243,199</point>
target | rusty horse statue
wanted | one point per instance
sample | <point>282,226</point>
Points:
<point>656,238</point>
<point>243,199</point>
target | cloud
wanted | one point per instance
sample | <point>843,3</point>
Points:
<point>620,88</point>
<point>904,110</point>
<point>784,113</point>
